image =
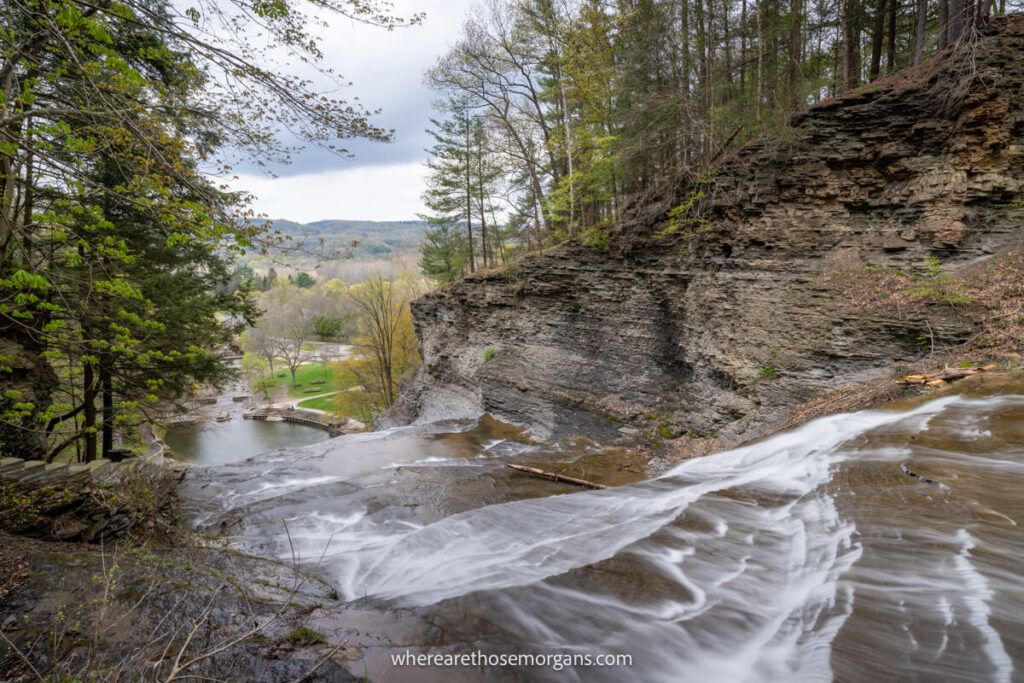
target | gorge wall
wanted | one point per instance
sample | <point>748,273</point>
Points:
<point>717,326</point>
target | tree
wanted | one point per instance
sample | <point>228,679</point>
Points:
<point>147,289</point>
<point>268,280</point>
<point>304,280</point>
<point>449,195</point>
<point>386,349</point>
<point>288,316</point>
<point>255,369</point>
<point>106,111</point>
<point>330,310</point>
<point>327,327</point>
<point>920,30</point>
<point>260,342</point>
<point>588,120</point>
<point>444,252</point>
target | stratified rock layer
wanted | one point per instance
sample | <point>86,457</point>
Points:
<point>717,326</point>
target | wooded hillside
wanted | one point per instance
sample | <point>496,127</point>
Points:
<point>563,119</point>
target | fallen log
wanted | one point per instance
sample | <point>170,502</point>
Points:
<point>554,476</point>
<point>937,379</point>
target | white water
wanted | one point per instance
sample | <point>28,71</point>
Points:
<point>755,564</point>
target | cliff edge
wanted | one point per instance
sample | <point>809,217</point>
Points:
<point>821,260</point>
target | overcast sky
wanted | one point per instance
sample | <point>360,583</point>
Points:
<point>384,180</point>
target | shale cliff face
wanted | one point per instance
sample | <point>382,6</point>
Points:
<point>716,326</point>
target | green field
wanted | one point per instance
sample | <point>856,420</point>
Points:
<point>319,403</point>
<point>307,378</point>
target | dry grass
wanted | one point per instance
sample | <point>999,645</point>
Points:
<point>997,290</point>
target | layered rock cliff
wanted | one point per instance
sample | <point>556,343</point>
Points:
<point>718,323</point>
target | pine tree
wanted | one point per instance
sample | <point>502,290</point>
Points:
<point>450,196</point>
<point>444,252</point>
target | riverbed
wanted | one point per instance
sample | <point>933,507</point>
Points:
<point>875,545</point>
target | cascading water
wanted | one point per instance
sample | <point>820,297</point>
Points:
<point>875,545</point>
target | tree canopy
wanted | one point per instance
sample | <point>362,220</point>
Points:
<point>599,115</point>
<point>114,240</point>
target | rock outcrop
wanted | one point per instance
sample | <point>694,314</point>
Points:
<point>96,502</point>
<point>716,324</point>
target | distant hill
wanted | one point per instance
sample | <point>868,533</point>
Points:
<point>375,239</point>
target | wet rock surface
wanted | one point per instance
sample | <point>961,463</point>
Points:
<point>812,554</point>
<point>717,325</point>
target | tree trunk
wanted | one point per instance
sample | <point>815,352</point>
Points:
<point>760,62</point>
<point>743,45</point>
<point>107,387</point>
<point>849,51</point>
<point>922,24</point>
<point>857,19</point>
<point>795,56</point>
<point>31,375</point>
<point>684,18</point>
<point>554,476</point>
<point>469,198</point>
<point>710,43</point>
<point>890,57</point>
<point>943,24</point>
<point>877,35</point>
<point>956,21</point>
<point>567,131</point>
<point>728,47</point>
<point>89,424</point>
<point>705,85</point>
<point>480,197</point>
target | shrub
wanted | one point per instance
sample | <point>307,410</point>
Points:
<point>303,635</point>
<point>939,287</point>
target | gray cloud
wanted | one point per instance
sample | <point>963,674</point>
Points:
<point>386,72</point>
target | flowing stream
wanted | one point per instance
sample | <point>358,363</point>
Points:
<point>877,545</point>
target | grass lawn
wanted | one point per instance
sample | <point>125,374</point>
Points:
<point>308,378</point>
<point>319,403</point>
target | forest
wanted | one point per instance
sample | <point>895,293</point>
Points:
<point>582,120</point>
<point>119,125</point>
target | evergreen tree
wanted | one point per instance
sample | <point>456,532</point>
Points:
<point>114,248</point>
<point>444,252</point>
<point>450,195</point>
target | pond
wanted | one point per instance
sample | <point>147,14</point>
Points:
<point>215,443</point>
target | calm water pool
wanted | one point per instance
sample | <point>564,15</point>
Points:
<point>221,442</point>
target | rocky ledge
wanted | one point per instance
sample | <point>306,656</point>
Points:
<point>817,262</point>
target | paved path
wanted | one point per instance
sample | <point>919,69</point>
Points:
<point>295,401</point>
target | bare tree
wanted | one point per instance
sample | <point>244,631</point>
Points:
<point>386,345</point>
<point>291,328</point>
<point>259,342</point>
